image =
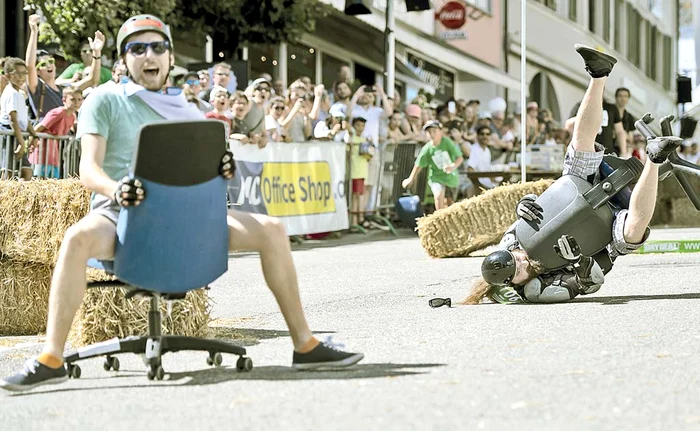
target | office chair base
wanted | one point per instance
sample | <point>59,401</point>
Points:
<point>153,346</point>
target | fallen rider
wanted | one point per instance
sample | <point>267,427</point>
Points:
<point>512,275</point>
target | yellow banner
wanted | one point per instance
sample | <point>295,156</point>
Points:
<point>297,188</point>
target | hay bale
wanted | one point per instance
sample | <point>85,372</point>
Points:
<point>24,297</point>
<point>105,313</point>
<point>474,223</point>
<point>35,215</point>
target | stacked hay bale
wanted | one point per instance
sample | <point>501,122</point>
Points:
<point>474,223</point>
<point>34,217</point>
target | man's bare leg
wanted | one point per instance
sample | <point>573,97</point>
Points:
<point>590,113</point>
<point>266,235</point>
<point>642,204</point>
<point>589,116</point>
<point>93,236</point>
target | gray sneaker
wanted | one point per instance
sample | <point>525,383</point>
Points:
<point>326,356</point>
<point>32,375</point>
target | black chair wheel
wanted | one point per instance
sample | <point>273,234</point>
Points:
<point>215,359</point>
<point>244,364</point>
<point>73,371</point>
<point>111,363</point>
<point>155,372</point>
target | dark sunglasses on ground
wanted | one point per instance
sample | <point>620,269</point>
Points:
<point>192,82</point>
<point>140,48</point>
<point>44,63</point>
<point>439,302</point>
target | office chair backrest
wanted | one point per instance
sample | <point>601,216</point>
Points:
<point>176,240</point>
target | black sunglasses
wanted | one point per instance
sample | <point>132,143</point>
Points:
<point>484,134</point>
<point>140,48</point>
<point>439,302</point>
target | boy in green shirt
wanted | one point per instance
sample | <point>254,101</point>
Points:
<point>442,157</point>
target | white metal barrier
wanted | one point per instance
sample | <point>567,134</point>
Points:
<point>54,156</point>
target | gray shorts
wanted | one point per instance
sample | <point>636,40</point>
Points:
<point>584,164</point>
<point>104,206</point>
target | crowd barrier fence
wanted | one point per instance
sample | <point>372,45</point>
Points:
<point>67,150</point>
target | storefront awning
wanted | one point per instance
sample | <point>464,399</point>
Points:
<point>446,54</point>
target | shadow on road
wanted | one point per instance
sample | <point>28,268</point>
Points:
<point>211,376</point>
<point>247,337</point>
<point>617,300</point>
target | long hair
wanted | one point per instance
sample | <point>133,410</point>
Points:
<point>482,289</point>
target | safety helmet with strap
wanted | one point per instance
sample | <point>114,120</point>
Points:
<point>140,24</point>
<point>498,268</point>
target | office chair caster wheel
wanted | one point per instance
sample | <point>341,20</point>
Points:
<point>215,359</point>
<point>111,363</point>
<point>244,364</point>
<point>155,372</point>
<point>73,371</point>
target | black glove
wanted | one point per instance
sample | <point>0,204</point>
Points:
<point>528,209</point>
<point>227,168</point>
<point>129,192</point>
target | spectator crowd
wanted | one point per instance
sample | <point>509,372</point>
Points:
<point>450,137</point>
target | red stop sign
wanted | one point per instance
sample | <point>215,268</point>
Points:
<point>453,15</point>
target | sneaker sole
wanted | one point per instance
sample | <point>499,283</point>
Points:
<point>330,366</point>
<point>578,47</point>
<point>21,388</point>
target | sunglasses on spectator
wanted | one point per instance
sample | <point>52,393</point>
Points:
<point>279,108</point>
<point>484,134</point>
<point>44,63</point>
<point>192,82</point>
<point>139,48</point>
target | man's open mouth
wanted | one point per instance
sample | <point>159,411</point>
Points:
<point>151,71</point>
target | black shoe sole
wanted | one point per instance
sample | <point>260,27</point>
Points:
<point>330,366</point>
<point>22,388</point>
<point>584,50</point>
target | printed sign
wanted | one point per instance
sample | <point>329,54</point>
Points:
<point>302,184</point>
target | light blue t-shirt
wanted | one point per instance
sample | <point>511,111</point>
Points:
<point>110,113</point>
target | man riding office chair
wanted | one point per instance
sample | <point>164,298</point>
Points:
<point>173,242</point>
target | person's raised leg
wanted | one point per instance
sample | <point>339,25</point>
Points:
<point>267,235</point>
<point>643,199</point>
<point>93,236</point>
<point>642,204</point>
<point>590,114</point>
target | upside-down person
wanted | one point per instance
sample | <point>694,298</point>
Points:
<point>511,275</point>
<point>108,125</point>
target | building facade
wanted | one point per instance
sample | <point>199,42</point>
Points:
<point>454,50</point>
<point>642,34</point>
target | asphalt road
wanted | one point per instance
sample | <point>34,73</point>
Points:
<point>627,357</point>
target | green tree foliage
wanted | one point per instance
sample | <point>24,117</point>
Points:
<point>232,23</point>
<point>70,22</point>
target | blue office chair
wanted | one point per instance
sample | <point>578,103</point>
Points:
<point>175,241</point>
